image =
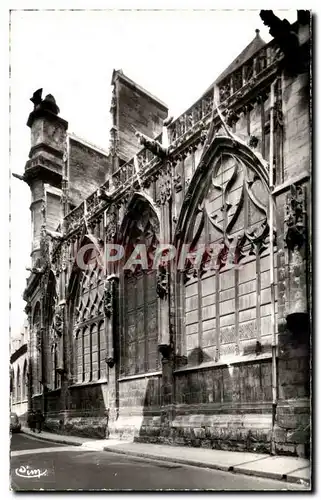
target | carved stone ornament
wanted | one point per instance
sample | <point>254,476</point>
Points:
<point>165,191</point>
<point>295,220</point>
<point>110,225</point>
<point>231,117</point>
<point>38,336</point>
<point>147,183</point>
<point>152,145</point>
<point>58,320</point>
<point>285,37</point>
<point>278,114</point>
<point>253,142</point>
<point>62,258</point>
<point>189,272</point>
<point>108,298</point>
<point>162,282</point>
<point>110,362</point>
<point>206,260</point>
<point>56,334</point>
<point>166,351</point>
<point>48,103</point>
<point>258,238</point>
<point>44,246</point>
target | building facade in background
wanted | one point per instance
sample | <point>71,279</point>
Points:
<point>215,354</point>
<point>19,370</point>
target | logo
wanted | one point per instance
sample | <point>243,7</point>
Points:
<point>27,472</point>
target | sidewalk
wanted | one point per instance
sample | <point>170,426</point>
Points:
<point>290,469</point>
<point>95,444</point>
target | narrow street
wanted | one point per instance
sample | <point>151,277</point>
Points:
<point>51,466</point>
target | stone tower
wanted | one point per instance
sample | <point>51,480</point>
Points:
<point>45,169</point>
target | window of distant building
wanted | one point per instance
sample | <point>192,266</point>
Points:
<point>18,395</point>
<point>25,381</point>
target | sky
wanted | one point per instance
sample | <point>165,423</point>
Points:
<point>175,55</point>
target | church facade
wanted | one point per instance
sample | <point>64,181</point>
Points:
<point>169,297</point>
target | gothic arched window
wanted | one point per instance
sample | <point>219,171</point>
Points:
<point>37,349</point>
<point>227,301</point>
<point>25,381</point>
<point>55,376</point>
<point>13,385</point>
<point>90,346</point>
<point>50,364</point>
<point>18,385</point>
<point>139,353</point>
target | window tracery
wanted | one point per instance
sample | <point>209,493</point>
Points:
<point>89,335</point>
<point>139,295</point>
<point>227,301</point>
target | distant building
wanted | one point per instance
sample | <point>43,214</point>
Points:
<point>214,355</point>
<point>19,379</point>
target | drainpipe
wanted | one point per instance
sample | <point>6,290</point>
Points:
<point>272,281</point>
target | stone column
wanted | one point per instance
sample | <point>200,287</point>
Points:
<point>62,337</point>
<point>296,308</point>
<point>291,432</point>
<point>112,359</point>
<point>111,312</point>
<point>166,320</point>
<point>29,372</point>
<point>164,269</point>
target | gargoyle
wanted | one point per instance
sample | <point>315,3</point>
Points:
<point>54,234</point>
<point>154,146</point>
<point>35,270</point>
<point>286,39</point>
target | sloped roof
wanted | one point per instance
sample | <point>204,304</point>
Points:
<point>256,44</point>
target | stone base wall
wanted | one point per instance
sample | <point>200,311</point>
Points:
<point>207,428</point>
<point>136,425</point>
<point>293,415</point>
<point>83,425</point>
<point>54,423</point>
<point>91,426</point>
<point>292,430</point>
<point>87,415</point>
<point>139,407</point>
<point>218,407</point>
<point>224,431</point>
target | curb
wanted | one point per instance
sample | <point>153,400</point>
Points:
<point>225,468</point>
<point>52,440</point>
<point>174,460</point>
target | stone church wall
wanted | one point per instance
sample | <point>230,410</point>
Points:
<point>187,357</point>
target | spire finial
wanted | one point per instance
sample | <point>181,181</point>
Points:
<point>257,32</point>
